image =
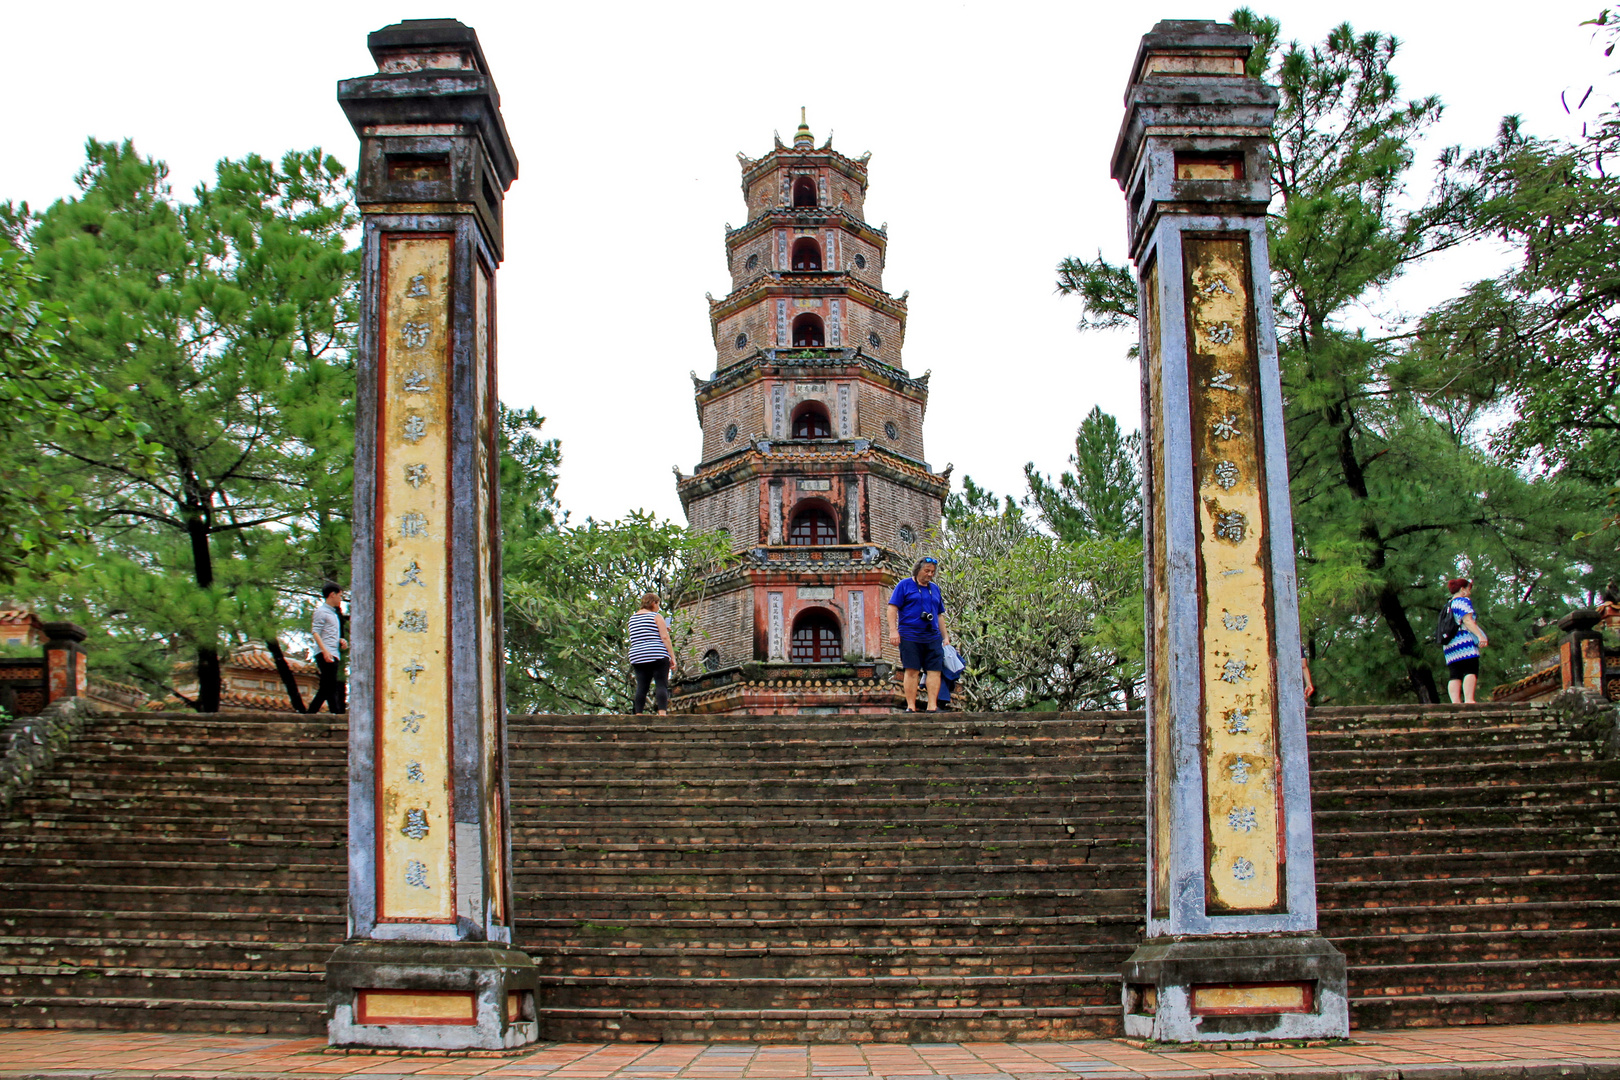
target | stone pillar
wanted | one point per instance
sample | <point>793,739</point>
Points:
<point>1581,651</point>
<point>65,674</point>
<point>429,961</point>
<point>1232,950</point>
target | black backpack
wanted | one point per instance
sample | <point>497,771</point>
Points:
<point>1447,628</point>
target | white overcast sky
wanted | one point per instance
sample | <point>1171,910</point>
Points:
<point>990,126</point>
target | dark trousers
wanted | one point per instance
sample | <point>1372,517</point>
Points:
<point>331,688</point>
<point>646,674</point>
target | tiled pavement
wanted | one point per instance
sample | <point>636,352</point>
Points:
<point>1542,1052</point>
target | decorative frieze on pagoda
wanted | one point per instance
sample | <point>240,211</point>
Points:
<point>812,451</point>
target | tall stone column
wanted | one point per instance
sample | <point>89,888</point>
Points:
<point>429,960</point>
<point>1232,949</point>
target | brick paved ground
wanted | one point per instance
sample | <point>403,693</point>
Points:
<point>1543,1052</point>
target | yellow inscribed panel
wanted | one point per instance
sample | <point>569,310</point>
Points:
<point>422,1006</point>
<point>1243,871</point>
<point>1287,998</point>
<point>415,867</point>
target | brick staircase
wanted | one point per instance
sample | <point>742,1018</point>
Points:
<point>891,878</point>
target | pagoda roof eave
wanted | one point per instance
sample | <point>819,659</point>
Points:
<point>801,283</point>
<point>750,368</point>
<point>805,215</point>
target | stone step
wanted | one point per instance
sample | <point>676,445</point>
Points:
<point>327,925</point>
<point>1478,889</point>
<point>89,954</point>
<point>1075,851</point>
<point>1518,946</point>
<point>936,931</point>
<point>1574,1006</point>
<point>138,873</point>
<point>834,1025</point>
<point>847,962</point>
<point>196,897</point>
<point>100,1011</point>
<point>201,983</point>
<point>1330,796</point>
<point>1352,845</point>
<point>1473,976</point>
<point>811,902</point>
<point>1468,917</point>
<point>1070,990</point>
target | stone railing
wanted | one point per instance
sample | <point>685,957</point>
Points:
<point>32,743</point>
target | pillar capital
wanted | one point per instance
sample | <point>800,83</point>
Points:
<point>430,126</point>
<point>1197,127</point>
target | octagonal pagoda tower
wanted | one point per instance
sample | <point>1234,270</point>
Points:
<point>812,451</point>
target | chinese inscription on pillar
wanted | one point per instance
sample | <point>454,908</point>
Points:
<point>1242,797</point>
<point>414,838</point>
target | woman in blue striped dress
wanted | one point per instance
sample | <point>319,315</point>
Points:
<point>652,656</point>
<point>1462,651</point>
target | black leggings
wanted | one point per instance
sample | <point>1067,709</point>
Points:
<point>646,674</point>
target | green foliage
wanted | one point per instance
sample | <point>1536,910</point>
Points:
<point>42,396</point>
<point>570,592</point>
<point>223,327</point>
<point>974,502</point>
<point>1042,622</point>
<point>1102,497</point>
<point>1050,619</point>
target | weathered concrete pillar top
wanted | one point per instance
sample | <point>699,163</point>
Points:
<point>1189,85</point>
<point>430,124</point>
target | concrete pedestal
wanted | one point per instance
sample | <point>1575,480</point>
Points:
<point>419,995</point>
<point>1284,986</point>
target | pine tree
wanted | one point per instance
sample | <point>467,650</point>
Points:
<point>224,326</point>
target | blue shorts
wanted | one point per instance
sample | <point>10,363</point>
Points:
<point>923,655</point>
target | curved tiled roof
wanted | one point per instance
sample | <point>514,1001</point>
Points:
<point>258,658</point>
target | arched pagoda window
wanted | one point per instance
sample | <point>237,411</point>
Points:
<point>816,639</point>
<point>811,423</point>
<point>813,527</point>
<point>804,191</point>
<point>806,254</point>
<point>808,332</point>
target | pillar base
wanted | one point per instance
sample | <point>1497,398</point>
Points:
<point>427,995</point>
<point>1220,989</point>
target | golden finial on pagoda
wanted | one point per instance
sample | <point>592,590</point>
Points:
<point>802,139</point>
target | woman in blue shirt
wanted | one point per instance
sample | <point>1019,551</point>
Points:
<point>1462,651</point>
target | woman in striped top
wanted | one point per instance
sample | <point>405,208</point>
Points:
<point>651,654</point>
<point>1462,651</point>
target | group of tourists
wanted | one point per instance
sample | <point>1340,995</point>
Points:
<point>916,621</point>
<point>916,627</point>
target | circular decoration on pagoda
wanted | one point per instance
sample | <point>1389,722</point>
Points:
<point>742,341</point>
<point>711,660</point>
<point>731,433</point>
<point>875,341</point>
<point>860,262</point>
<point>908,535</point>
<point>753,261</point>
<point>891,429</point>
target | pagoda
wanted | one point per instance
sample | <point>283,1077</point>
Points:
<point>813,459</point>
